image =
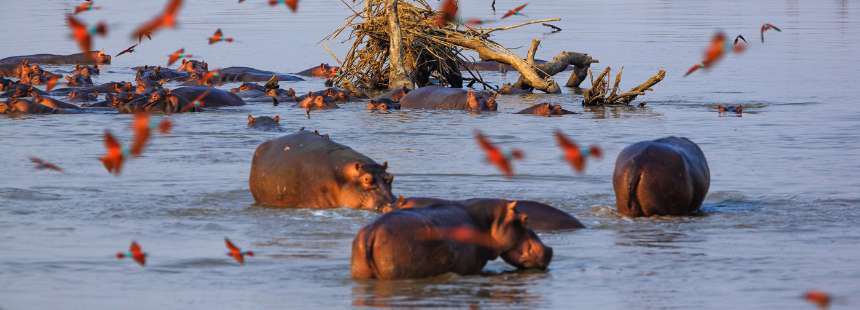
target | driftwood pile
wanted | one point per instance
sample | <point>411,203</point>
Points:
<point>600,94</point>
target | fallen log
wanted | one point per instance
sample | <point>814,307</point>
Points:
<point>600,94</point>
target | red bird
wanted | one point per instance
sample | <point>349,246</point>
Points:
<point>129,50</point>
<point>715,51</point>
<point>52,82</point>
<point>819,298</point>
<point>114,156</point>
<point>218,37</point>
<point>740,44</point>
<point>85,6</point>
<point>210,77</point>
<point>767,27</point>
<point>177,55</point>
<point>496,157</point>
<point>573,154</point>
<point>142,127</point>
<point>448,13</point>
<point>478,21</point>
<point>292,4</point>
<point>197,102</point>
<point>135,253</point>
<point>84,35</point>
<point>167,19</point>
<point>515,11</point>
<point>237,253</point>
<point>44,165</point>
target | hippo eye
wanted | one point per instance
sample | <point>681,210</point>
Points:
<point>367,179</point>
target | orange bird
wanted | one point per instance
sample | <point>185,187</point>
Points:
<point>114,156</point>
<point>515,11</point>
<point>52,82</point>
<point>210,77</point>
<point>177,55</point>
<point>477,21</point>
<point>237,253</point>
<point>84,35</point>
<point>292,4</point>
<point>85,6</point>
<point>767,27</point>
<point>44,165</point>
<point>129,50</point>
<point>218,37</point>
<point>573,154</point>
<point>448,13</point>
<point>496,157</point>
<point>713,53</point>
<point>197,102</point>
<point>167,19</point>
<point>819,298</point>
<point>135,253</point>
<point>142,127</point>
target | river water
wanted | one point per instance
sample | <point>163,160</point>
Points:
<point>781,216</point>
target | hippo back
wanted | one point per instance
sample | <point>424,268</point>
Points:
<point>435,97</point>
<point>215,98</point>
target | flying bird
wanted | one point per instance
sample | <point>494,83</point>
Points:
<point>52,82</point>
<point>197,102</point>
<point>129,50</point>
<point>292,4</point>
<point>573,154</point>
<point>219,37</point>
<point>448,13</point>
<point>495,155</point>
<point>44,165</point>
<point>740,44</point>
<point>167,19</point>
<point>84,35</point>
<point>211,77</point>
<point>142,127</point>
<point>237,253</point>
<point>515,11</point>
<point>554,28</point>
<point>818,298</point>
<point>114,156</point>
<point>87,5</point>
<point>135,253</point>
<point>177,55</point>
<point>767,27</point>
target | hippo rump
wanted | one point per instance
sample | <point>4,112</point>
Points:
<point>181,99</point>
<point>542,217</point>
<point>443,98</point>
<point>545,109</point>
<point>667,176</point>
<point>51,59</point>
<point>246,74</point>
<point>308,170</point>
<point>444,237</point>
<point>215,98</point>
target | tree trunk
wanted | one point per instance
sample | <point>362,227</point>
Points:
<point>397,75</point>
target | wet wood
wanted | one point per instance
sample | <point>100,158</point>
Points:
<point>397,75</point>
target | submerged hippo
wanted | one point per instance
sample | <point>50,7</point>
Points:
<point>264,122</point>
<point>413,243</point>
<point>24,106</point>
<point>443,98</point>
<point>95,57</point>
<point>667,176</point>
<point>214,97</point>
<point>382,104</point>
<point>308,170</point>
<point>323,71</point>
<point>316,102</point>
<point>545,109</point>
<point>542,217</point>
<point>246,74</point>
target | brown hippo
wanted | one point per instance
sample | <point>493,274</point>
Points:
<point>246,74</point>
<point>264,122</point>
<point>545,109</point>
<point>667,176</point>
<point>383,105</point>
<point>214,98</point>
<point>23,106</point>
<point>54,103</point>
<point>322,71</point>
<point>509,89</point>
<point>443,98</point>
<point>445,237</point>
<point>316,102</point>
<point>542,217</point>
<point>308,170</point>
<point>98,57</point>
<point>82,95</point>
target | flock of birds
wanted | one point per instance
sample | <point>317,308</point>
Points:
<point>143,125</point>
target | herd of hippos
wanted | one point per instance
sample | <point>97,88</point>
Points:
<point>414,237</point>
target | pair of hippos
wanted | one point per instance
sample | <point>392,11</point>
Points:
<point>422,237</point>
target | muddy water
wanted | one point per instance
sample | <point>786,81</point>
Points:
<point>781,216</point>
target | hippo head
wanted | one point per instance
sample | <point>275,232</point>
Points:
<point>366,186</point>
<point>102,58</point>
<point>478,104</point>
<point>518,245</point>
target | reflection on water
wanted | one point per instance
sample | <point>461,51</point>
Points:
<point>782,215</point>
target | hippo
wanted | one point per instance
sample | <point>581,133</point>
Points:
<point>442,98</point>
<point>667,176</point>
<point>542,217</point>
<point>81,95</point>
<point>413,243</point>
<point>383,105</point>
<point>489,65</point>
<point>158,73</point>
<point>315,102</point>
<point>214,99</point>
<point>95,57</point>
<point>246,74</point>
<point>322,71</point>
<point>16,89</point>
<point>329,95</point>
<point>23,106</point>
<point>308,170</point>
<point>264,122</point>
<point>8,70</point>
<point>737,109</point>
<point>545,109</point>
<point>508,89</point>
<point>54,103</point>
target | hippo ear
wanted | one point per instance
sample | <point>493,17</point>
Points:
<point>251,119</point>
<point>351,171</point>
<point>384,165</point>
<point>511,211</point>
<point>472,101</point>
<point>277,118</point>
